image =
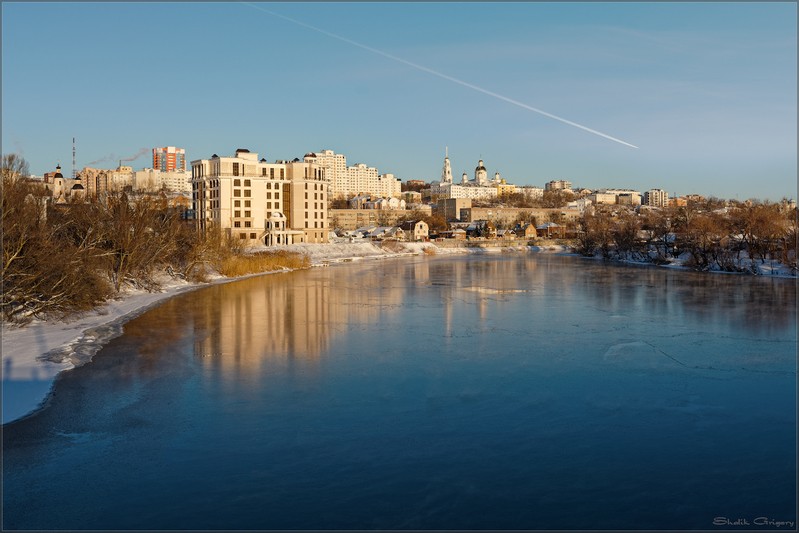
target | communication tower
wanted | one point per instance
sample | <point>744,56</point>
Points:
<point>74,173</point>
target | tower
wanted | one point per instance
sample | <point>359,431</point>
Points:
<point>446,172</point>
<point>74,172</point>
<point>480,174</point>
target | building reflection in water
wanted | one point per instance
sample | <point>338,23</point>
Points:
<point>293,318</point>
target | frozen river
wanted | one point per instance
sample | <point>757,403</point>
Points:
<point>475,392</point>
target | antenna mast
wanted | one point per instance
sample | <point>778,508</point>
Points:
<point>73,159</point>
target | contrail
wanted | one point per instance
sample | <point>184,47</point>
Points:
<point>444,76</point>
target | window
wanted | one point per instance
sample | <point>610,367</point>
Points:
<point>269,196</point>
<point>269,185</point>
<point>269,205</point>
<point>247,183</point>
<point>252,235</point>
<point>247,224</point>
<point>247,214</point>
<point>237,183</point>
<point>237,203</point>
<point>306,205</point>
<point>306,223</point>
<point>306,197</point>
<point>242,235</point>
<point>282,173</point>
<point>272,173</point>
<point>263,171</point>
<point>236,224</point>
<point>247,192</point>
<point>246,203</point>
<point>235,169</point>
<point>236,214</point>
<point>277,196</point>
<point>236,192</point>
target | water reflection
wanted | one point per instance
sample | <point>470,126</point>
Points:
<point>256,322</point>
<point>475,392</point>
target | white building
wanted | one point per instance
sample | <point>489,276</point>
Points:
<point>556,185</point>
<point>356,179</point>
<point>271,203</point>
<point>478,189</point>
<point>656,198</point>
<point>531,192</point>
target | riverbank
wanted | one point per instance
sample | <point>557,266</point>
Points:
<point>33,355</point>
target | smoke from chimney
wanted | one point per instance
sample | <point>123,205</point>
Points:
<point>115,157</point>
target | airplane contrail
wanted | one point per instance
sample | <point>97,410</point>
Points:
<point>441,75</point>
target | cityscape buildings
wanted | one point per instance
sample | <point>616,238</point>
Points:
<point>354,180</point>
<point>272,203</point>
<point>478,189</point>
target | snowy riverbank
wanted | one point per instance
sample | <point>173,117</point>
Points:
<point>34,355</point>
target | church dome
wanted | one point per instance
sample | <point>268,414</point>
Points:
<point>480,165</point>
<point>77,187</point>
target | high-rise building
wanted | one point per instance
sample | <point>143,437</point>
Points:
<point>656,198</point>
<point>357,179</point>
<point>272,203</point>
<point>169,159</point>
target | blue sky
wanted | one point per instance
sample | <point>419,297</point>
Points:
<point>707,91</point>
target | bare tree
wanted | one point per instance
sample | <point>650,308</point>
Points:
<point>14,166</point>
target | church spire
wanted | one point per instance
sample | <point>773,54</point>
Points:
<point>446,172</point>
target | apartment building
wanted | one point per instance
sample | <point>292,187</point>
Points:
<point>278,203</point>
<point>169,159</point>
<point>656,198</point>
<point>353,180</point>
<point>557,185</point>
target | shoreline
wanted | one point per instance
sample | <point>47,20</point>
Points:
<point>35,354</point>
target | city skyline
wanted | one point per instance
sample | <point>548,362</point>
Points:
<point>706,92</point>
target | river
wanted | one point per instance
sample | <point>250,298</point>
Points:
<point>504,391</point>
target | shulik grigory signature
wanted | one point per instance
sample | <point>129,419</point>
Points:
<point>759,521</point>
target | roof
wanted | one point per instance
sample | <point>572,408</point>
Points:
<point>409,224</point>
<point>242,150</point>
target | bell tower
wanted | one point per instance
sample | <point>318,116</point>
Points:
<point>446,172</point>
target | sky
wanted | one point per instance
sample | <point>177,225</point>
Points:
<point>706,92</point>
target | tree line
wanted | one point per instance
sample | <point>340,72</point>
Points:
<point>735,238</point>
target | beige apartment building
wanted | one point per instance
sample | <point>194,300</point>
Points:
<point>656,198</point>
<point>269,203</point>
<point>357,179</point>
